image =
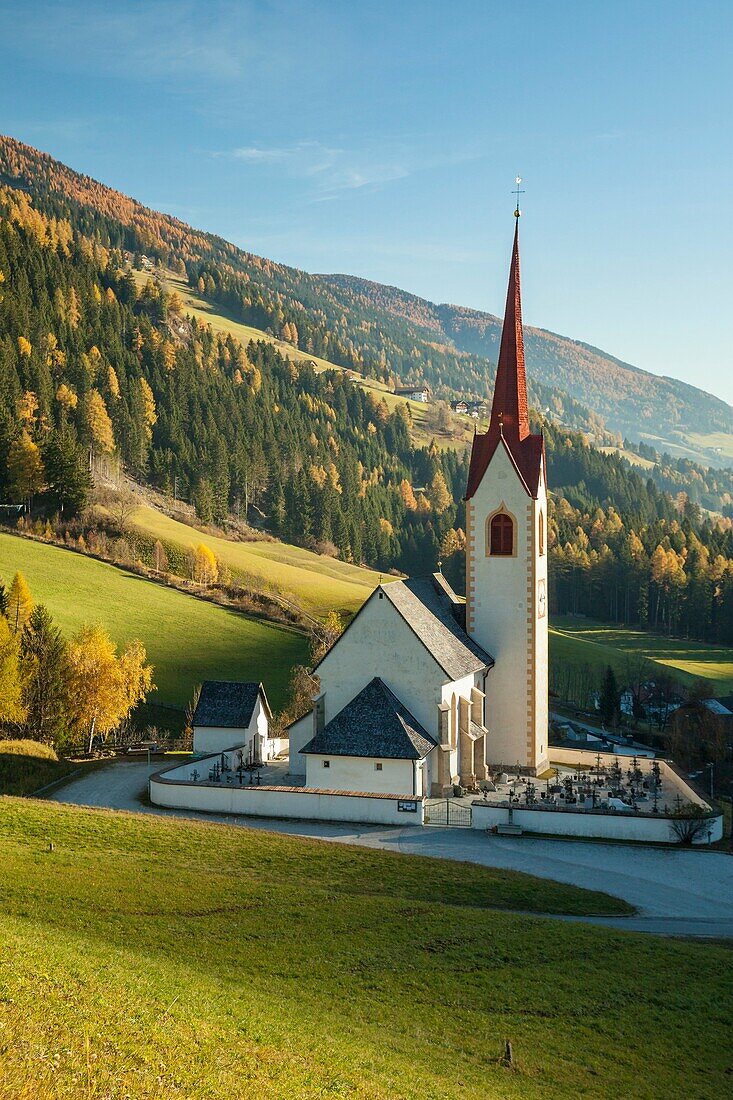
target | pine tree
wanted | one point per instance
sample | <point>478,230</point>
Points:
<point>609,698</point>
<point>44,676</point>
<point>67,472</point>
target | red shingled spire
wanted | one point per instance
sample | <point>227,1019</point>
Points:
<point>509,411</point>
<point>509,407</point>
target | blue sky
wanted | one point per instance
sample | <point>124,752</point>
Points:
<point>382,139</point>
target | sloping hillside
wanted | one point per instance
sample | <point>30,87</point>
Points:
<point>315,582</point>
<point>630,400</point>
<point>380,331</point>
<point>187,640</point>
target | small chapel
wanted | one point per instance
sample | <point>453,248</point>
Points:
<point>425,691</point>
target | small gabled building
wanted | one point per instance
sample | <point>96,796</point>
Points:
<point>234,714</point>
<point>373,745</point>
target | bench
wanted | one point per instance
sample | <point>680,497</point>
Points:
<point>509,830</point>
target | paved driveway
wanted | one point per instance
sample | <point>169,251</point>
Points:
<point>686,893</point>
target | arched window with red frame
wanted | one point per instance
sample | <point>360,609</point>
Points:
<point>501,535</point>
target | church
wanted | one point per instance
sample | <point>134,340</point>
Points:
<point>425,691</point>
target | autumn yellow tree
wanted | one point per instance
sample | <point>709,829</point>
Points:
<point>25,469</point>
<point>438,494</point>
<point>148,407</point>
<point>205,567</point>
<point>11,708</point>
<point>113,382</point>
<point>100,425</point>
<point>20,603</point>
<point>104,687</point>
<point>408,496</point>
<point>66,397</point>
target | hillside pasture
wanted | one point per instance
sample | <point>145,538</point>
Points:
<point>187,640</point>
<point>582,641</point>
<point>157,958</point>
<point>318,583</point>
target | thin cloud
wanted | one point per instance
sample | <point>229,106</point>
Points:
<point>332,170</point>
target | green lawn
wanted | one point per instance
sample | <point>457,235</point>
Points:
<point>149,957</point>
<point>186,639</point>
<point>27,766</point>
<point>582,641</point>
<point>319,584</point>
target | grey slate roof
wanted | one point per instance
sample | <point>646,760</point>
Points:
<point>431,614</point>
<point>228,703</point>
<point>376,724</point>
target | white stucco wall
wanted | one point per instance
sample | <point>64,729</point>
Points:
<point>209,739</point>
<point>608,826</point>
<point>171,789</point>
<point>380,643</point>
<point>298,735</point>
<point>502,616</point>
<point>358,773</point>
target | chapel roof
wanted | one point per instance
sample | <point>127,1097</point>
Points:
<point>228,703</point>
<point>432,611</point>
<point>374,724</point>
<point>509,423</point>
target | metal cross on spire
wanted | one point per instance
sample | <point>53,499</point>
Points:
<point>518,191</point>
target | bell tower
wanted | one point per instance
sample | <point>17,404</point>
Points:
<point>506,556</point>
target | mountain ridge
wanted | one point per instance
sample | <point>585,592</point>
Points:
<point>385,332</point>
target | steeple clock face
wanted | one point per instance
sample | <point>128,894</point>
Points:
<point>541,599</point>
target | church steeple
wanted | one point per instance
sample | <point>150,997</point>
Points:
<point>509,410</point>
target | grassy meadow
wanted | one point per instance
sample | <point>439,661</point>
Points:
<point>187,640</point>
<point>158,958</point>
<point>319,584</point>
<point>26,766</point>
<point>582,641</point>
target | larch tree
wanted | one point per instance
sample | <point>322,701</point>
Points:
<point>11,704</point>
<point>20,603</point>
<point>206,569</point>
<point>148,407</point>
<point>100,425</point>
<point>438,494</point>
<point>25,469</point>
<point>104,688</point>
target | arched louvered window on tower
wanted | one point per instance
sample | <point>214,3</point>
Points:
<point>541,533</point>
<point>501,535</point>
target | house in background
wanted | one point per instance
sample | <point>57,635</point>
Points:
<point>414,393</point>
<point>232,714</point>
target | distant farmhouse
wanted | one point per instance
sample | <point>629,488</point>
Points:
<point>414,393</point>
<point>473,409</point>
